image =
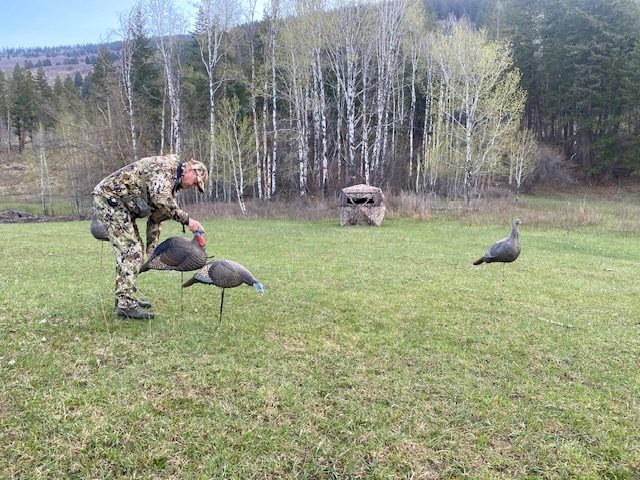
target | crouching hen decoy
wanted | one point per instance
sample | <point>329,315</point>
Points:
<point>505,250</point>
<point>178,253</point>
<point>224,274</point>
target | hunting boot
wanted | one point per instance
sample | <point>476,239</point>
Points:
<point>134,312</point>
<point>141,303</point>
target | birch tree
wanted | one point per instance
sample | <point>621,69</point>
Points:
<point>46,200</point>
<point>390,25</point>
<point>414,46</point>
<point>320,107</point>
<point>254,89</point>
<point>523,159</point>
<point>215,17</point>
<point>274,14</point>
<point>167,24</point>
<point>125,70</point>
<point>302,70</point>
<point>315,23</point>
<point>486,102</point>
<point>347,37</point>
<point>234,144</point>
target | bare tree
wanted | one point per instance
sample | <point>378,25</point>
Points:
<point>390,25</point>
<point>414,46</point>
<point>254,89</point>
<point>273,33</point>
<point>167,25</point>
<point>320,109</point>
<point>234,144</point>
<point>297,67</point>
<point>523,159</point>
<point>484,101</point>
<point>312,18</point>
<point>215,17</point>
<point>125,70</point>
<point>347,40</point>
<point>39,145</point>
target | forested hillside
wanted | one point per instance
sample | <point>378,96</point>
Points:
<point>76,61</point>
<point>437,97</point>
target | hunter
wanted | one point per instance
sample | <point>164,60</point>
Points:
<point>145,188</point>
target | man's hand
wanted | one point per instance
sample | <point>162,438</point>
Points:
<point>195,226</point>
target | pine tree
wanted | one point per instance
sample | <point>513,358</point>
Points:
<point>5,109</point>
<point>147,84</point>
<point>44,100</point>
<point>24,105</point>
<point>574,56</point>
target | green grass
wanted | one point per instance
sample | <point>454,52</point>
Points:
<point>374,353</point>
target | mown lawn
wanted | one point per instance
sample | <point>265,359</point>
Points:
<point>374,353</point>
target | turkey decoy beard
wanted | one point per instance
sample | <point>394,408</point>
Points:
<point>224,274</point>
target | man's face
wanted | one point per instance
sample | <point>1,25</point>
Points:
<point>189,177</point>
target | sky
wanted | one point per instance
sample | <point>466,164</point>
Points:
<point>49,23</point>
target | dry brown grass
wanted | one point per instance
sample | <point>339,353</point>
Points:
<point>608,208</point>
<point>313,209</point>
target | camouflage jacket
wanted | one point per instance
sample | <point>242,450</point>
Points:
<point>153,179</point>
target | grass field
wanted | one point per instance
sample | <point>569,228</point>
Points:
<point>374,353</point>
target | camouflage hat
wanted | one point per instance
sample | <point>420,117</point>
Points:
<point>202,173</point>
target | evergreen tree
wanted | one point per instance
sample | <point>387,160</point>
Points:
<point>4,97</point>
<point>629,136</point>
<point>102,69</point>
<point>574,57</point>
<point>24,105</point>
<point>78,81</point>
<point>147,84</point>
<point>44,100</point>
<point>5,110</point>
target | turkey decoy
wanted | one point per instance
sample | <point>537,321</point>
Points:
<point>505,250</point>
<point>224,274</point>
<point>98,230</point>
<point>178,253</point>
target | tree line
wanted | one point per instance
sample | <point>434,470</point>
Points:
<point>438,97</point>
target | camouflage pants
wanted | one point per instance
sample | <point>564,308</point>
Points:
<point>127,246</point>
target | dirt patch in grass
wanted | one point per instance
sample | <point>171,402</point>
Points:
<point>15,216</point>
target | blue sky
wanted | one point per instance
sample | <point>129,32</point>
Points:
<point>33,23</point>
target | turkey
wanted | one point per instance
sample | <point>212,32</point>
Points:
<point>178,253</point>
<point>98,230</point>
<point>224,274</point>
<point>505,250</point>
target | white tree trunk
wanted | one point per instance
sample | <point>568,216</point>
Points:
<point>275,4</point>
<point>127,52</point>
<point>166,25</point>
<point>45,181</point>
<point>323,122</point>
<point>215,18</point>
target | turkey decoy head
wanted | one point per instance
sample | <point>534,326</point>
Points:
<point>199,238</point>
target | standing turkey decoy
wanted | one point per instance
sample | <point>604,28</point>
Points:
<point>178,253</point>
<point>505,250</point>
<point>224,274</point>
